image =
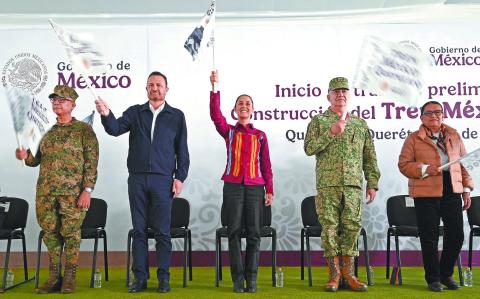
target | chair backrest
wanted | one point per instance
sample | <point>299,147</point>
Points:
<point>398,213</point>
<point>17,214</point>
<point>473,212</point>
<point>267,216</point>
<point>96,215</point>
<point>180,213</point>
<point>309,212</point>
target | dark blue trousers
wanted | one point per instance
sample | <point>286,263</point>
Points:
<point>150,206</point>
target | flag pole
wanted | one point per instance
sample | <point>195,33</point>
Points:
<point>19,146</point>
<point>90,86</point>
<point>215,85</point>
<point>445,166</point>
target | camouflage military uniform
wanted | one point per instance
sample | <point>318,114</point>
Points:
<point>68,158</point>
<point>340,162</point>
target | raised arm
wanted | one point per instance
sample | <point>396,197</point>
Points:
<point>318,137</point>
<point>215,112</point>
<point>112,125</point>
<point>30,160</point>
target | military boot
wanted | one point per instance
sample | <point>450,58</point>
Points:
<point>333,268</point>
<point>54,280</point>
<point>348,273</point>
<point>69,281</point>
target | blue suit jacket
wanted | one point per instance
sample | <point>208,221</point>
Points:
<point>167,154</point>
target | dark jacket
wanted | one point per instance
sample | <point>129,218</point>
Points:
<point>167,154</point>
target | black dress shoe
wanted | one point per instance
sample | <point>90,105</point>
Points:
<point>163,286</point>
<point>238,287</point>
<point>435,286</point>
<point>251,287</point>
<point>450,283</point>
<point>137,286</point>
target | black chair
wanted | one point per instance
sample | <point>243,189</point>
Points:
<point>266,232</point>
<point>473,214</point>
<point>402,221</point>
<point>178,229</point>
<point>93,227</point>
<point>13,220</point>
<point>312,228</point>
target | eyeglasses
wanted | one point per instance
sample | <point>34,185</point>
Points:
<point>431,113</point>
<point>59,100</point>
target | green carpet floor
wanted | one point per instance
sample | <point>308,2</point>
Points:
<point>203,286</point>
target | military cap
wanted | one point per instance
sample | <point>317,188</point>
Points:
<point>338,83</point>
<point>64,91</point>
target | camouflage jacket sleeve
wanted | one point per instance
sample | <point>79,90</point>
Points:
<point>33,161</point>
<point>370,167</point>
<point>318,137</point>
<point>90,154</point>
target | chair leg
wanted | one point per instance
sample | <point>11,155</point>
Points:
<point>387,264</point>
<point>190,266</point>
<point>302,254</point>
<point>129,246</point>
<point>399,261</point>
<point>367,258</point>
<point>94,262</point>
<point>5,267</point>
<point>39,253</point>
<point>459,267</point>
<point>470,246</point>
<point>274,258</point>
<point>309,261</point>
<point>25,264</point>
<point>185,258</point>
<point>218,253</point>
<point>220,263</point>
<point>105,254</point>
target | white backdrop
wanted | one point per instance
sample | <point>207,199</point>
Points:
<point>258,58</point>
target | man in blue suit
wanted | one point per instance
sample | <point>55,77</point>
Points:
<point>158,162</point>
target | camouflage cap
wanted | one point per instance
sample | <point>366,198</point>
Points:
<point>338,83</point>
<point>64,91</point>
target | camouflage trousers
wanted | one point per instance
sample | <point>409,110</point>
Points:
<point>339,212</point>
<point>60,218</point>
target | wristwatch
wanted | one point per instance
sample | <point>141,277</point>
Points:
<point>88,189</point>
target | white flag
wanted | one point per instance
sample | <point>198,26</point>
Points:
<point>30,118</point>
<point>89,119</point>
<point>202,35</point>
<point>393,70</point>
<point>83,54</point>
<point>471,160</point>
<point>19,101</point>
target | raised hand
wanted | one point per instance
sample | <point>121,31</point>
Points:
<point>21,154</point>
<point>102,107</point>
<point>214,79</point>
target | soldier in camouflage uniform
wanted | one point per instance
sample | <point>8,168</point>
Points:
<point>344,150</point>
<point>68,158</point>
